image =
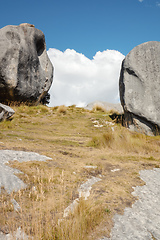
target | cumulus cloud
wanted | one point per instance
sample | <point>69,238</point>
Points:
<point>140,0</point>
<point>79,80</point>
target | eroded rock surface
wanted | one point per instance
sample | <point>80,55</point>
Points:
<point>26,72</point>
<point>140,88</point>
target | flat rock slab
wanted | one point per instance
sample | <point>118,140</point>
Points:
<point>142,221</point>
<point>8,179</point>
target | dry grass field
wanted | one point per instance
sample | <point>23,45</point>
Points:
<point>74,138</point>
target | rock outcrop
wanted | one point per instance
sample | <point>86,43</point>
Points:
<point>26,72</point>
<point>5,112</point>
<point>140,88</point>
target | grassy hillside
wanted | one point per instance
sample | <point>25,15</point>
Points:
<point>74,138</point>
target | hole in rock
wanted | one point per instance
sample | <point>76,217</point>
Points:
<point>40,46</point>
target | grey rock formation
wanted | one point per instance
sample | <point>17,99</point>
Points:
<point>26,72</point>
<point>5,112</point>
<point>140,88</point>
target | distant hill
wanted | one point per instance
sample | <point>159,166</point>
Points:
<point>108,106</point>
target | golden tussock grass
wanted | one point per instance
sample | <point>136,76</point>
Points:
<point>122,140</point>
<point>41,210</point>
<point>73,142</point>
<point>99,107</point>
<point>62,109</point>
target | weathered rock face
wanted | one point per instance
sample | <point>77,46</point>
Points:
<point>140,88</point>
<point>26,72</point>
<point>5,112</point>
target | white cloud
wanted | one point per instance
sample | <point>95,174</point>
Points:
<point>79,80</point>
<point>140,0</point>
<point>158,4</point>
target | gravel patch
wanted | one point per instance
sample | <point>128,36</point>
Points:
<point>142,221</point>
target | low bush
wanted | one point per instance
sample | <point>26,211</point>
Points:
<point>99,107</point>
<point>62,109</point>
<point>102,140</point>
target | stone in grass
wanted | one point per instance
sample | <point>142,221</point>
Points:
<point>5,112</point>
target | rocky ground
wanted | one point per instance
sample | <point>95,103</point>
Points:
<point>83,147</point>
<point>8,180</point>
<point>142,221</point>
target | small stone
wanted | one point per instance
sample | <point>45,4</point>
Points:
<point>92,167</point>
<point>115,170</point>
<point>5,112</point>
<point>15,205</point>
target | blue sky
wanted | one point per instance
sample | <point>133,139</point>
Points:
<point>87,26</point>
<point>87,41</point>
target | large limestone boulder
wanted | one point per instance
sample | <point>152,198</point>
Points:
<point>26,72</point>
<point>140,88</point>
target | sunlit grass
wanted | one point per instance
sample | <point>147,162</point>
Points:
<point>62,109</point>
<point>69,137</point>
